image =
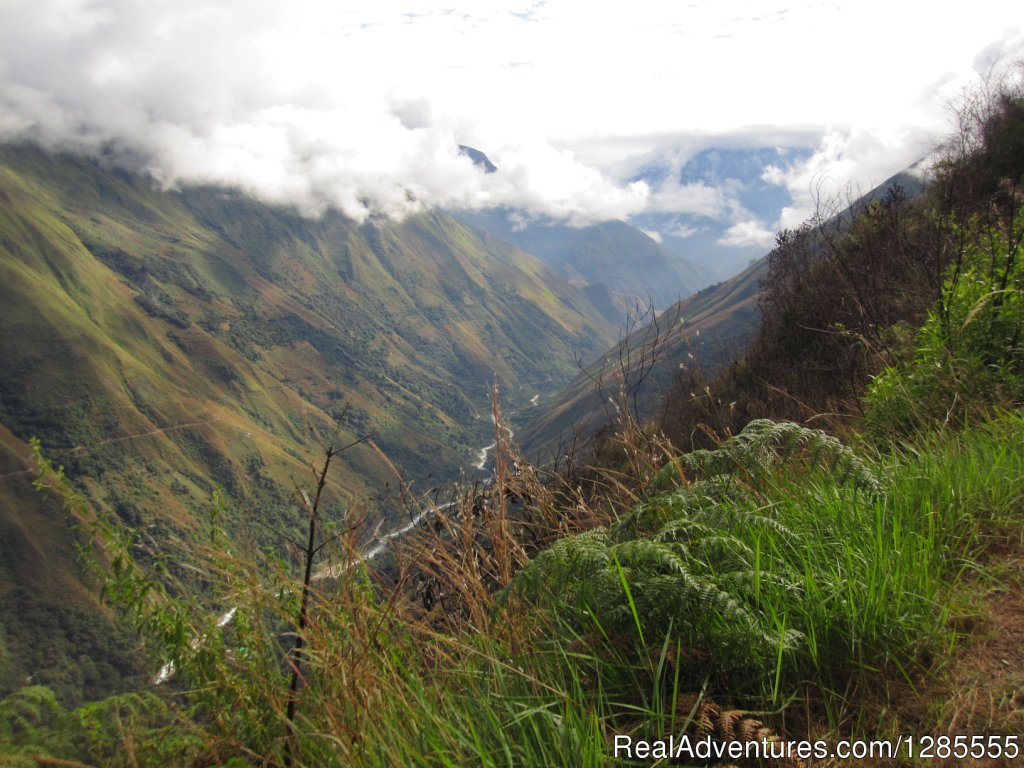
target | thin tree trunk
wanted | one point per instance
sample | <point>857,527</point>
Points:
<point>297,651</point>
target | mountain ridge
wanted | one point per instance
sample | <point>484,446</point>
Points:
<point>702,332</point>
<point>632,266</point>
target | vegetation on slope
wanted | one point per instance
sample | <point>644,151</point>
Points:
<point>777,584</point>
<point>163,344</point>
<point>711,330</point>
<point>778,568</point>
<point>705,332</point>
<point>840,305</point>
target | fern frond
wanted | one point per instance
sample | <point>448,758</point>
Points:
<point>764,443</point>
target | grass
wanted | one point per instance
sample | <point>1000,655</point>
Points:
<point>805,602</point>
<point>847,598</point>
<point>869,584</point>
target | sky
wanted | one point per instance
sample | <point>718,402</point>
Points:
<point>361,106</point>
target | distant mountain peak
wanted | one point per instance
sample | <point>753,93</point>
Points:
<point>478,158</point>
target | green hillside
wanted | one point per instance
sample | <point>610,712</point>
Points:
<point>161,344</point>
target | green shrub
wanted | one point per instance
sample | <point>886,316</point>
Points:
<point>969,354</point>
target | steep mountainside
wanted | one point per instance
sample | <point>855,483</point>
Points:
<point>160,344</point>
<point>701,333</point>
<point>707,329</point>
<point>618,262</point>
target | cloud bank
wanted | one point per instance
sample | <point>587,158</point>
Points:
<point>361,108</point>
<point>246,95</point>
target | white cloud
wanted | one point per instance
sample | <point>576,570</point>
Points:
<point>683,231</point>
<point>360,106</point>
<point>774,175</point>
<point>315,113</point>
<point>694,198</point>
<point>655,236</point>
<point>744,233</point>
<point>848,162</point>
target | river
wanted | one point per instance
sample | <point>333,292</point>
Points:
<point>334,570</point>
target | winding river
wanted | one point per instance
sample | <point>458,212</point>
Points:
<point>333,570</point>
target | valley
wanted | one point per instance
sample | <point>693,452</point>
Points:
<point>164,344</point>
<point>341,466</point>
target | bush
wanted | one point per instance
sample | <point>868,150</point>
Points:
<point>969,354</point>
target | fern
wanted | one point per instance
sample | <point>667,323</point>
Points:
<point>690,553</point>
<point>763,444</point>
<point>26,710</point>
<point>689,578</point>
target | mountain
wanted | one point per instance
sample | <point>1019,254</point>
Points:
<point>161,344</point>
<point>702,332</point>
<point>617,262</point>
<point>733,196</point>
<point>479,158</point>
<point>707,329</point>
<point>719,188</point>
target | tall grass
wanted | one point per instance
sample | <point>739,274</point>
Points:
<point>781,567</point>
<point>795,580</point>
<point>850,587</point>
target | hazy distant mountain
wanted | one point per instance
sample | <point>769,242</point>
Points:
<point>478,158</point>
<point>613,258</point>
